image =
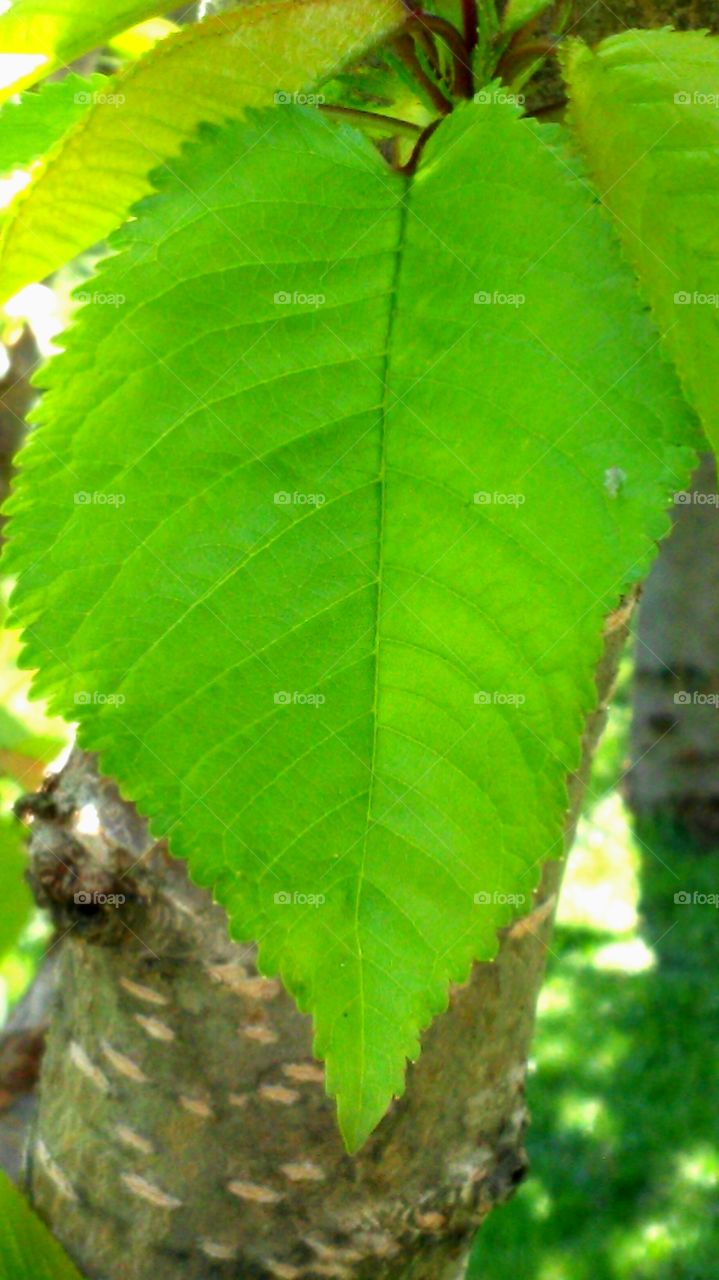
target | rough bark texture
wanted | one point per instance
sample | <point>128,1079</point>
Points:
<point>183,1129</point>
<point>675,727</point>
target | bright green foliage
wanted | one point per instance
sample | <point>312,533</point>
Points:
<point>362,466</point>
<point>208,72</point>
<point>27,1250</point>
<point>36,36</point>
<point>645,108</point>
<point>15,896</point>
<point>31,126</point>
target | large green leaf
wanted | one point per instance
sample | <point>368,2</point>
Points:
<point>36,36</point>
<point>33,124</point>
<point>645,109</point>
<point>209,72</point>
<point>27,1250</point>
<point>332,509</point>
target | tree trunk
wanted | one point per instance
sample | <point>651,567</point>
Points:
<point>675,727</point>
<point>183,1129</point>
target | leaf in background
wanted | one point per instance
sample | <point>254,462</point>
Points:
<point>644,108</point>
<point>37,36</point>
<point>519,12</point>
<point>333,537</point>
<point>31,126</point>
<point>15,896</point>
<point>27,1249</point>
<point>208,72</point>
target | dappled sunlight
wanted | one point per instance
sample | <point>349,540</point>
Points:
<point>622,1087</point>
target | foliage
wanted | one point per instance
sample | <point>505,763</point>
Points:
<point>345,463</point>
<point>37,36</point>
<point>644,108</point>
<point>208,72</point>
<point>27,1249</point>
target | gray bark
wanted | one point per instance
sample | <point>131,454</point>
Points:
<point>675,727</point>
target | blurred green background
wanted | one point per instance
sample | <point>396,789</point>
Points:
<point>623,1085</point>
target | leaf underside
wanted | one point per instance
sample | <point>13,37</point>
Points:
<point>332,597</point>
<point>644,107</point>
<point>211,71</point>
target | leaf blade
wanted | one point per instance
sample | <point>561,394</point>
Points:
<point>27,1249</point>
<point>210,72</point>
<point>356,730</point>
<point>38,36</point>
<point>643,108</point>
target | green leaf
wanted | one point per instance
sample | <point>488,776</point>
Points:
<point>27,1249</point>
<point>31,126</point>
<point>17,903</point>
<point>212,71</point>
<point>333,508</point>
<point>37,36</point>
<point>519,12</point>
<point>644,110</point>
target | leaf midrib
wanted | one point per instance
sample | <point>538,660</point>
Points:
<point>394,294</point>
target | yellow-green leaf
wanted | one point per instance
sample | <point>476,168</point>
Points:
<point>210,72</point>
<point>37,36</point>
